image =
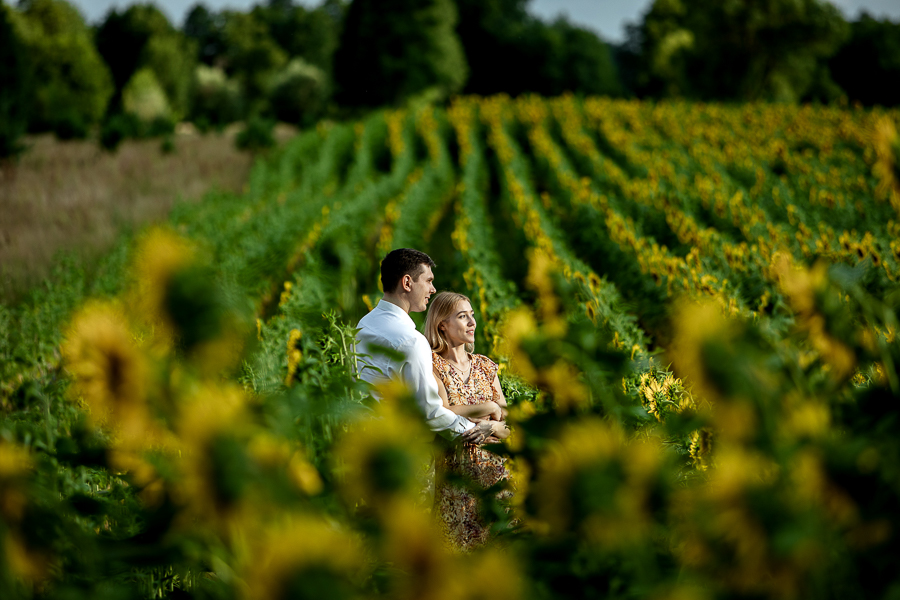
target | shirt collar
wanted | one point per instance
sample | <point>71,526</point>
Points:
<point>395,310</point>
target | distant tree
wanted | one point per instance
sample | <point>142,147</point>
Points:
<point>308,33</point>
<point>867,67</point>
<point>510,51</point>
<point>252,57</point>
<point>15,87</point>
<point>742,49</point>
<point>498,39</point>
<point>141,36</point>
<point>145,98</point>
<point>122,36</point>
<point>663,43</point>
<point>217,99</point>
<point>577,60</point>
<point>207,29</point>
<point>72,83</point>
<point>298,93</point>
<point>628,58</point>
<point>172,60</point>
<point>391,50</point>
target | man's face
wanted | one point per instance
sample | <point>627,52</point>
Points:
<point>421,290</point>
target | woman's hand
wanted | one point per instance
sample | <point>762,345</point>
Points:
<point>478,434</point>
<point>499,431</point>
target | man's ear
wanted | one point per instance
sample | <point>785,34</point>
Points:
<point>406,283</point>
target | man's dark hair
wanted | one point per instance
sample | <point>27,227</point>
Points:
<point>400,262</point>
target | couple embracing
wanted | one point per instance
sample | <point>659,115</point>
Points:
<point>457,391</point>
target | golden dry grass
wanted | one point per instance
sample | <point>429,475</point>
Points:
<point>73,196</point>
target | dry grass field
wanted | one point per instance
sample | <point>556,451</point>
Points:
<point>73,196</point>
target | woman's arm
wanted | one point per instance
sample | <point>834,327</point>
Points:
<point>489,409</point>
<point>499,398</point>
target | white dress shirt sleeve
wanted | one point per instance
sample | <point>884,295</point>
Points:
<point>417,372</point>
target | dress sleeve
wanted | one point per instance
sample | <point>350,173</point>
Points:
<point>439,363</point>
<point>487,366</point>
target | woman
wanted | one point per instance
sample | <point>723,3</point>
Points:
<point>469,386</point>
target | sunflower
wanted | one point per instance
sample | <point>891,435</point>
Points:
<point>887,166</point>
<point>594,483</point>
<point>383,457</point>
<point>800,286</point>
<point>109,372</point>
<point>214,456</point>
<point>160,255</point>
<point>21,557</point>
<point>15,464</point>
<point>423,564</point>
<point>294,355</point>
<point>695,326</point>
<point>277,454</point>
<point>518,326</point>
<point>303,557</point>
<point>562,381</point>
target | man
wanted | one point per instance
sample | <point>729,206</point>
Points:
<point>407,280</point>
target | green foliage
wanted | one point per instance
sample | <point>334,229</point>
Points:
<point>279,54</point>
<point>511,52</point>
<point>171,58</point>
<point>256,135</point>
<point>121,126</point>
<point>773,50</point>
<point>307,33</point>
<point>206,30</point>
<point>665,42</point>
<point>72,83</point>
<point>142,37</point>
<point>115,130</point>
<point>251,57</point>
<point>167,145</point>
<point>870,57</point>
<point>15,87</point>
<point>493,35</point>
<point>299,93</point>
<point>391,51</point>
<point>69,125</point>
<point>217,99</point>
<point>122,36</point>
<point>578,61</point>
<point>144,97</point>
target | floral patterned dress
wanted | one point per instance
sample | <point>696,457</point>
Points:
<point>456,508</point>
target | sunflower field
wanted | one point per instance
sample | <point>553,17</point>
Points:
<point>695,309</point>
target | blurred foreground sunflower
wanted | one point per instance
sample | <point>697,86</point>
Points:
<point>887,164</point>
<point>160,255</point>
<point>303,557</point>
<point>595,484</point>
<point>108,370</point>
<point>18,556</point>
<point>386,456</point>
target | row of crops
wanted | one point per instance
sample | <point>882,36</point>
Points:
<point>694,307</point>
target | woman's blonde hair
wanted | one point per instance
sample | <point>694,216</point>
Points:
<point>442,307</point>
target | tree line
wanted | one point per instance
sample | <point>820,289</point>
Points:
<point>135,73</point>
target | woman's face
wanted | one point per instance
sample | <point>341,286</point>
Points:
<point>459,327</point>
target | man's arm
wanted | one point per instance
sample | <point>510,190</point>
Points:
<point>417,372</point>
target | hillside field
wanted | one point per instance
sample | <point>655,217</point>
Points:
<point>695,311</point>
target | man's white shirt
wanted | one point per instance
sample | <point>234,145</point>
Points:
<point>389,326</point>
